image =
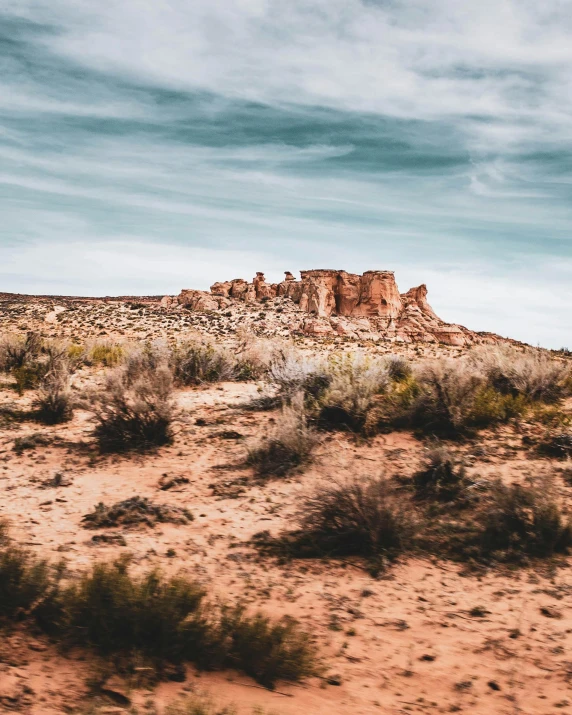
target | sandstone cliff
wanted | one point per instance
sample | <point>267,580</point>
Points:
<point>334,302</point>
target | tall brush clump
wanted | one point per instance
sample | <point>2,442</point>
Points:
<point>24,580</point>
<point>165,620</point>
<point>293,374</point>
<point>54,403</point>
<point>253,354</point>
<point>116,613</point>
<point>444,399</point>
<point>195,363</point>
<point>355,384</point>
<point>532,374</point>
<point>19,357</point>
<point>16,351</point>
<point>524,520</point>
<point>134,410</point>
<point>264,649</point>
<point>288,447</point>
<point>359,516</point>
<point>442,476</point>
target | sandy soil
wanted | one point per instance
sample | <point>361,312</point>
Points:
<point>402,642</point>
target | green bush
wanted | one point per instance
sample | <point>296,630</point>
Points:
<point>448,398</point>
<point>29,376</point>
<point>491,407</point>
<point>445,401</point>
<point>24,581</point>
<point>106,354</point>
<point>265,650</point>
<point>163,620</point>
<point>160,619</point>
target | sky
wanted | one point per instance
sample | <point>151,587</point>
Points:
<point>152,145</point>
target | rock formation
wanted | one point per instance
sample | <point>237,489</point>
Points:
<point>340,303</point>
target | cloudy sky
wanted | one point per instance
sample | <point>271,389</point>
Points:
<point>147,146</point>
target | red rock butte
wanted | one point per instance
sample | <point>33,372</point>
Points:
<point>341,303</point>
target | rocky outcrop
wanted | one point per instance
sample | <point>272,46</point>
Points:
<point>201,300</point>
<point>339,303</point>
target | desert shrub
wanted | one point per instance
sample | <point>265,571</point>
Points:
<point>444,400</point>
<point>398,367</point>
<point>491,406</point>
<point>254,356</point>
<point>532,373</point>
<point>354,384</point>
<point>557,445</point>
<point>442,477</point>
<point>55,354</point>
<point>289,446</point>
<point>54,403</point>
<point>265,650</point>
<point>134,414</point>
<point>521,521</point>
<point>160,619</point>
<point>145,359</point>
<point>195,363</point>
<point>293,374</point>
<point>106,354</point>
<point>31,441</point>
<point>116,613</point>
<point>449,398</point>
<point>164,620</point>
<point>17,351</point>
<point>20,356</point>
<point>76,355</point>
<point>135,510</point>
<point>359,516</point>
<point>29,376</point>
<point>24,580</point>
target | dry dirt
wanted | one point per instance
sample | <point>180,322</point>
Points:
<point>404,642</point>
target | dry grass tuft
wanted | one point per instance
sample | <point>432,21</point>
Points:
<point>288,447</point>
<point>532,373</point>
<point>521,521</point>
<point>443,477</point>
<point>16,351</point>
<point>360,516</point>
<point>54,403</point>
<point>195,363</point>
<point>135,510</point>
<point>355,382</point>
<point>134,411</point>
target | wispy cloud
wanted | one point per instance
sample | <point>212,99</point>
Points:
<point>433,137</point>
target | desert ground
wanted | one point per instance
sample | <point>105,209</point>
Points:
<point>423,630</point>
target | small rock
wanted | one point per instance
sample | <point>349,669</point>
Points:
<point>550,612</point>
<point>116,689</point>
